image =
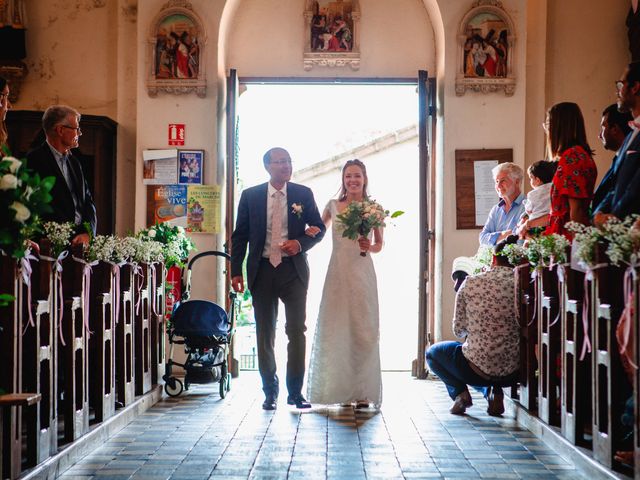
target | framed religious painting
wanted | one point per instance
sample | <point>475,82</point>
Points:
<point>176,46</point>
<point>331,34</point>
<point>486,39</point>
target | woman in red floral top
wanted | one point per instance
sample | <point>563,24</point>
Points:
<point>573,183</point>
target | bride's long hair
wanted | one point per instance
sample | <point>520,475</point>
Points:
<point>342,195</point>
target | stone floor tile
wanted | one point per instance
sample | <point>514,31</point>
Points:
<point>197,436</point>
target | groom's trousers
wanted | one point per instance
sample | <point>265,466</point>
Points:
<point>270,285</point>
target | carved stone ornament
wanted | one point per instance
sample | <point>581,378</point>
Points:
<point>176,47</point>
<point>486,39</point>
<point>332,36</point>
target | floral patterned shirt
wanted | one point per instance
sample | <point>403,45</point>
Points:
<point>485,313</point>
<point>574,178</point>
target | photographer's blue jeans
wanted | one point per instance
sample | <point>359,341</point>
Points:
<point>446,360</point>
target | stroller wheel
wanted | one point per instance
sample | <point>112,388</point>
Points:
<point>228,382</point>
<point>223,387</point>
<point>173,387</point>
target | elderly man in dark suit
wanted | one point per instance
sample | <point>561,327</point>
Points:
<point>624,197</point>
<point>272,218</point>
<point>72,200</point>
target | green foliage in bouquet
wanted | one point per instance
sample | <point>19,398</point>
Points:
<point>545,250</point>
<point>515,253</point>
<point>359,218</point>
<point>24,197</point>
<point>176,244</point>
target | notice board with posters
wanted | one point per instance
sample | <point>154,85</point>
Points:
<point>476,196</point>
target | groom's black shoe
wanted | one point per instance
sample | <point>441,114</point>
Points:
<point>270,403</point>
<point>298,400</point>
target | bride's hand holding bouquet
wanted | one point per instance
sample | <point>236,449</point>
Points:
<point>360,218</point>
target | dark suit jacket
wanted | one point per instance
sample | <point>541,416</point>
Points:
<point>251,229</point>
<point>606,185</point>
<point>42,161</point>
<point>624,198</point>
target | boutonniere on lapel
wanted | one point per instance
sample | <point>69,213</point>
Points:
<point>296,209</point>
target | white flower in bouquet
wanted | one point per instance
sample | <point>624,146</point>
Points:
<point>622,240</point>
<point>545,250</point>
<point>14,163</point>
<point>123,250</point>
<point>151,233</point>
<point>148,251</point>
<point>8,182</point>
<point>59,234</point>
<point>101,248</point>
<point>22,212</point>
<point>586,239</point>
<point>359,218</point>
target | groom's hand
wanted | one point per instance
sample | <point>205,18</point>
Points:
<point>237,283</point>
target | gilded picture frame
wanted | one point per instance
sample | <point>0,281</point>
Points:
<point>485,60</point>
<point>176,46</point>
<point>331,34</point>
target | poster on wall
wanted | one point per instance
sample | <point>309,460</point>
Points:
<point>167,203</point>
<point>190,164</point>
<point>160,167</point>
<point>203,209</point>
<point>484,188</point>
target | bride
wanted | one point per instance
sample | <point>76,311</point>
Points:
<point>345,357</point>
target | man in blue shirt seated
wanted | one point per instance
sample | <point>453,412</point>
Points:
<point>504,216</point>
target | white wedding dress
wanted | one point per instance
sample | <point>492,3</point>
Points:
<point>345,357</point>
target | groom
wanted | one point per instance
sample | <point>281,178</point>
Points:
<point>272,218</point>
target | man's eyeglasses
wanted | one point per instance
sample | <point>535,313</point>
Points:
<point>280,162</point>
<point>620,84</point>
<point>77,129</point>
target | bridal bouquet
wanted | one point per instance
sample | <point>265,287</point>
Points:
<point>359,218</point>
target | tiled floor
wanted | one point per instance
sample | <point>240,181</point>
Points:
<point>200,436</point>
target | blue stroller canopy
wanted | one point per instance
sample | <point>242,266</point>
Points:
<point>200,318</point>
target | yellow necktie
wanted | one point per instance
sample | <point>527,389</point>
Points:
<point>275,256</point>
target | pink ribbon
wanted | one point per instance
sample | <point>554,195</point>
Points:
<point>86,291</point>
<point>560,272</point>
<point>25,271</point>
<point>138,278</point>
<point>626,319</point>
<point>57,279</point>
<point>152,289</point>
<point>115,289</point>
<point>534,274</point>
<point>588,277</point>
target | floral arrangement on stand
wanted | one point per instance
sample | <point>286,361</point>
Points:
<point>176,245</point>
<point>59,236</point>
<point>24,197</point>
<point>546,250</point>
<point>515,253</point>
<point>359,218</point>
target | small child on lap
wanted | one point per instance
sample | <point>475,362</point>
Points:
<point>538,201</point>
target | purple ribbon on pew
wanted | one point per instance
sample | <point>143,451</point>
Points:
<point>562,277</point>
<point>86,290</point>
<point>138,276</point>
<point>57,279</point>
<point>115,269</point>
<point>588,277</point>
<point>25,270</point>
<point>626,319</point>
<point>152,289</point>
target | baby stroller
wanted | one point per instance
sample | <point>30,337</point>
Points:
<point>205,330</point>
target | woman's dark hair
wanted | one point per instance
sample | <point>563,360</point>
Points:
<point>543,169</point>
<point>343,189</point>
<point>565,129</point>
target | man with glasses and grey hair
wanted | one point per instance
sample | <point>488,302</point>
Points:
<point>72,200</point>
<point>504,216</point>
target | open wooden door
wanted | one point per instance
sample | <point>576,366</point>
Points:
<point>231,169</point>
<point>426,125</point>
